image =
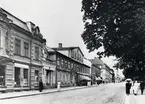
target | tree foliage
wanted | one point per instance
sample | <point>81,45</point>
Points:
<point>118,26</point>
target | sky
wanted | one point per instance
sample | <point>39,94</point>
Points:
<point>60,21</point>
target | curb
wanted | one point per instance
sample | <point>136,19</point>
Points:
<point>19,96</point>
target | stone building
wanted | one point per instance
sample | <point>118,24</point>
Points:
<point>21,54</point>
<point>49,68</point>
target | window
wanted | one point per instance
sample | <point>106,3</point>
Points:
<point>26,49</point>
<point>62,63</point>
<point>72,54</point>
<point>75,55</point>
<point>36,76</point>
<point>17,46</point>
<point>69,65</point>
<point>2,75</point>
<point>25,72</point>
<point>17,76</point>
<point>66,64</point>
<point>58,61</point>
<point>36,53</point>
<point>72,65</point>
<point>6,41</point>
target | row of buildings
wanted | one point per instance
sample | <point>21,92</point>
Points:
<point>25,58</point>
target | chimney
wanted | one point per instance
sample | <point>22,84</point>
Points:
<point>59,45</point>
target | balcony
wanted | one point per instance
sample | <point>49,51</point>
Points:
<point>3,56</point>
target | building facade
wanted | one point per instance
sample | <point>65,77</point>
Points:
<point>21,54</point>
<point>49,69</point>
<point>101,70</point>
<point>69,65</point>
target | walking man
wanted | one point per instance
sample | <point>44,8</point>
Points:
<point>142,87</point>
<point>128,87</point>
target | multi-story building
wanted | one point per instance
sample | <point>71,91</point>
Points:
<point>108,74</point>
<point>21,53</point>
<point>49,66</point>
<point>100,69</point>
<point>95,72</point>
<point>69,65</point>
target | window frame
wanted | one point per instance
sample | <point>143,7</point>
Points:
<point>37,49</point>
<point>17,46</point>
<point>26,49</point>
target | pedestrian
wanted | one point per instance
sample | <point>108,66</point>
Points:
<point>135,88</point>
<point>142,87</point>
<point>40,85</point>
<point>128,87</point>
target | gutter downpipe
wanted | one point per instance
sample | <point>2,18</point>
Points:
<point>31,59</point>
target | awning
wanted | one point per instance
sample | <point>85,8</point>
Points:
<point>4,58</point>
<point>98,79</point>
<point>84,78</point>
<point>48,67</point>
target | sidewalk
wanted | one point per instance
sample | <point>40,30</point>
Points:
<point>11,95</point>
<point>132,99</point>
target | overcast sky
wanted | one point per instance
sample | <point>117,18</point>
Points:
<point>60,21</point>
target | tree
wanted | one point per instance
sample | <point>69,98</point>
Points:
<point>119,27</point>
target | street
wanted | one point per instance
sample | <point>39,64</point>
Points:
<point>132,99</point>
<point>102,94</point>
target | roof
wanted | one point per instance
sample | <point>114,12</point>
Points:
<point>68,48</point>
<point>109,69</point>
<point>56,52</point>
<point>16,20</point>
<point>49,49</point>
<point>97,61</point>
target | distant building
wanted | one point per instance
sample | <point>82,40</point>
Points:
<point>101,70</point>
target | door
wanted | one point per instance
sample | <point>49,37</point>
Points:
<point>48,77</point>
<point>17,76</point>
<point>2,75</point>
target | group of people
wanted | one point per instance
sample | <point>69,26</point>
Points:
<point>136,86</point>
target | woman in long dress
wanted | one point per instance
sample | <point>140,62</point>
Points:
<point>40,85</point>
<point>136,88</point>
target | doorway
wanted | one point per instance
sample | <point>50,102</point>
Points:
<point>17,77</point>
<point>48,77</point>
<point>2,75</point>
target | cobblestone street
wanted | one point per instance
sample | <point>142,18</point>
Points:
<point>102,94</point>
